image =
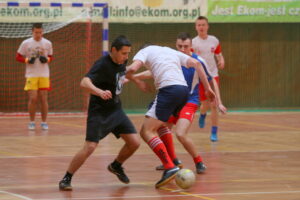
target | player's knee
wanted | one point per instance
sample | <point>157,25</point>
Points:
<point>180,137</point>
<point>90,148</point>
<point>33,100</point>
<point>134,144</point>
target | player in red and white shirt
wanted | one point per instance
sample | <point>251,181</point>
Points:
<point>209,48</point>
<point>36,52</point>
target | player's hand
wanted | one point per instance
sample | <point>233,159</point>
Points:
<point>210,95</point>
<point>31,60</point>
<point>142,85</point>
<point>222,109</point>
<point>105,94</point>
<point>126,80</point>
<point>43,59</point>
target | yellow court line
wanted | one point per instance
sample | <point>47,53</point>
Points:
<point>67,124</point>
<point>187,193</point>
<point>5,153</point>
<point>259,124</point>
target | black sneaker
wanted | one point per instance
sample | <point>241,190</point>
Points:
<point>119,172</point>
<point>167,176</point>
<point>176,162</point>
<point>65,184</point>
<point>200,167</point>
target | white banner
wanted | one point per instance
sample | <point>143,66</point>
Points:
<point>120,11</point>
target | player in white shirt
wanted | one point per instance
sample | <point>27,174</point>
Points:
<point>164,65</point>
<point>209,48</point>
<point>36,52</point>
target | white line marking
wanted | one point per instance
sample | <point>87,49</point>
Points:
<point>16,195</point>
<point>179,195</point>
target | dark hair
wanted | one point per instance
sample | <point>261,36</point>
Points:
<point>37,25</point>
<point>119,42</point>
<point>184,36</point>
<point>202,17</point>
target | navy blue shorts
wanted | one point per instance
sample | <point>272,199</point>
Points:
<point>169,101</point>
<point>100,125</point>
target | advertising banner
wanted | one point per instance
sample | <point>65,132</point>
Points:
<point>253,11</point>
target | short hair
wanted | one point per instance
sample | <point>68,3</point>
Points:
<point>119,42</point>
<point>202,17</point>
<point>184,36</point>
<point>37,25</point>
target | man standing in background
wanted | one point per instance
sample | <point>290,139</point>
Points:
<point>209,48</point>
<point>36,52</point>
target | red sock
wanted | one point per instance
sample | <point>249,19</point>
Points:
<point>197,159</point>
<point>160,150</point>
<point>165,135</point>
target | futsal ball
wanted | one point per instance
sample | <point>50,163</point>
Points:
<point>185,178</point>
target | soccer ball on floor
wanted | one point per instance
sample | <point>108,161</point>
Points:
<point>185,178</point>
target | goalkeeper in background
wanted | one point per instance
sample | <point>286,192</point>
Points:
<point>36,52</point>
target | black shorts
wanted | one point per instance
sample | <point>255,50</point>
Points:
<point>100,125</point>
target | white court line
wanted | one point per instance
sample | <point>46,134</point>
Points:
<point>167,196</point>
<point>16,195</point>
<point>141,154</point>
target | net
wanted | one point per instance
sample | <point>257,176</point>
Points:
<point>77,43</point>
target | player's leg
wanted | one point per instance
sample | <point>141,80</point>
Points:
<point>44,87</point>
<point>43,96</point>
<point>203,107</point>
<point>214,116</point>
<point>31,87</point>
<point>126,130</point>
<point>32,104</point>
<point>183,124</point>
<point>132,143</point>
<point>95,131</point>
<point>168,101</point>
<point>77,161</point>
<point>182,128</point>
<point>165,134</point>
<point>148,133</point>
<point>214,123</point>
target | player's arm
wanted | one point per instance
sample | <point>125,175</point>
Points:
<point>131,69</point>
<point>220,61</point>
<point>24,59</point>
<point>87,84</point>
<point>216,89</point>
<point>191,62</point>
<point>143,75</point>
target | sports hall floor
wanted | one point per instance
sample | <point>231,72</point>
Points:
<point>257,158</point>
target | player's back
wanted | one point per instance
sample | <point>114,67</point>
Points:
<point>164,63</point>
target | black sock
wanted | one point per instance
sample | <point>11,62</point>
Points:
<point>116,164</point>
<point>68,176</point>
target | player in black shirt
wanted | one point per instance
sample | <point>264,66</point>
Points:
<point>104,82</point>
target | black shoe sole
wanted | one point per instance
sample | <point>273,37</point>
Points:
<point>115,173</point>
<point>66,188</point>
<point>158,185</point>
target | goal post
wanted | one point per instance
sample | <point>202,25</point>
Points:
<point>79,35</point>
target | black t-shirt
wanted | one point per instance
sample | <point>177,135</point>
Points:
<point>106,75</point>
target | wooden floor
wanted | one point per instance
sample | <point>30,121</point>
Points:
<point>256,158</point>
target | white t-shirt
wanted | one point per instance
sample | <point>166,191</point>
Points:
<point>164,64</point>
<point>207,49</point>
<point>32,48</point>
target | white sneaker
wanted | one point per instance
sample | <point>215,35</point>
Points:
<point>31,126</point>
<point>44,126</point>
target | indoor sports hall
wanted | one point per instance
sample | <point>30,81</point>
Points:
<point>257,155</point>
